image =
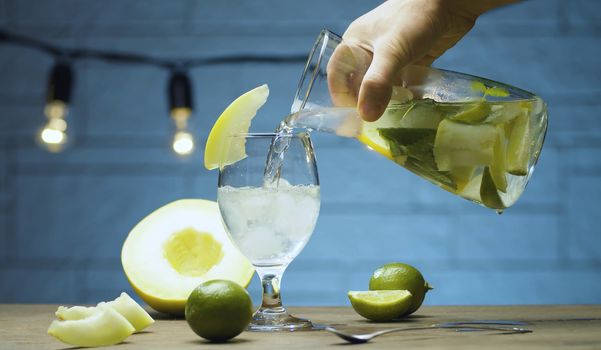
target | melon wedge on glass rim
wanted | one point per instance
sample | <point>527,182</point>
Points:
<point>221,149</point>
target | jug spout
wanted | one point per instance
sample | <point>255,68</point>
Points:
<point>340,121</point>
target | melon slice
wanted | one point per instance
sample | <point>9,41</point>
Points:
<point>489,194</point>
<point>518,146</point>
<point>463,145</point>
<point>123,304</point>
<point>497,168</point>
<point>103,328</point>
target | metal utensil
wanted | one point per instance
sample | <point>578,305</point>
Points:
<point>504,327</point>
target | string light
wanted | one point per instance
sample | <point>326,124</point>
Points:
<point>179,93</point>
<point>183,143</point>
<point>53,135</point>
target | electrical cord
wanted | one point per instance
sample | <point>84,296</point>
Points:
<point>123,57</point>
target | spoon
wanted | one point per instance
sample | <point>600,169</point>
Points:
<point>500,326</point>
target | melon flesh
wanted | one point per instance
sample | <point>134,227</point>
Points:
<point>123,304</point>
<point>103,328</point>
<point>464,145</point>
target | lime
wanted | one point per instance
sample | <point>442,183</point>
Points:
<point>381,305</point>
<point>370,137</point>
<point>399,276</point>
<point>218,310</point>
<point>473,114</point>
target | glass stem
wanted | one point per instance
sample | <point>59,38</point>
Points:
<point>270,280</point>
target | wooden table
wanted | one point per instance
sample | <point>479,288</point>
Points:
<point>555,327</point>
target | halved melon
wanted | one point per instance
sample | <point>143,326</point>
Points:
<point>177,247</point>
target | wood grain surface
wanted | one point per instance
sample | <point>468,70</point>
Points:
<point>555,327</point>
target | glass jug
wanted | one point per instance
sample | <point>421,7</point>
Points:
<point>474,137</point>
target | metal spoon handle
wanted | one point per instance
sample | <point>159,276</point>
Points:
<point>507,330</point>
<point>393,330</point>
<point>465,326</point>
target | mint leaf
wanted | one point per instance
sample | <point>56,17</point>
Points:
<point>417,145</point>
<point>479,86</point>
<point>497,92</point>
<point>489,90</point>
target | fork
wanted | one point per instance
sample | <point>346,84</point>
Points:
<point>460,326</point>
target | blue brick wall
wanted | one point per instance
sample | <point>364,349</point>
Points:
<point>63,217</point>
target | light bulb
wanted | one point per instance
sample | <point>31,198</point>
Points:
<point>183,143</point>
<point>53,135</point>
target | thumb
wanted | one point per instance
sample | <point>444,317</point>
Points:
<point>376,87</point>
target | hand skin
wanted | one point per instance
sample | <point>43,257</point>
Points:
<point>393,35</point>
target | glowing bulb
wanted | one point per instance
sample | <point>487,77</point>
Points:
<point>183,143</point>
<point>53,136</point>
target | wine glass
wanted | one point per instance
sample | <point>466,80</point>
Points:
<point>269,202</point>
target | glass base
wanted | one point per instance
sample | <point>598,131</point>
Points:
<point>279,320</point>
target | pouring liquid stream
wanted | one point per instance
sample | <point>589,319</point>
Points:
<point>327,120</point>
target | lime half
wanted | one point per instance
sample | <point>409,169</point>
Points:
<point>399,276</point>
<point>381,305</point>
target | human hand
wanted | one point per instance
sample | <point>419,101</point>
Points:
<point>365,67</point>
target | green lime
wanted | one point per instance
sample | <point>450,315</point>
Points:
<point>219,310</point>
<point>399,276</point>
<point>473,113</point>
<point>381,305</point>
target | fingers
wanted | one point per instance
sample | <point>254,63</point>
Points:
<point>376,87</point>
<point>427,60</point>
<point>412,29</point>
<point>408,42</point>
<point>345,71</point>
